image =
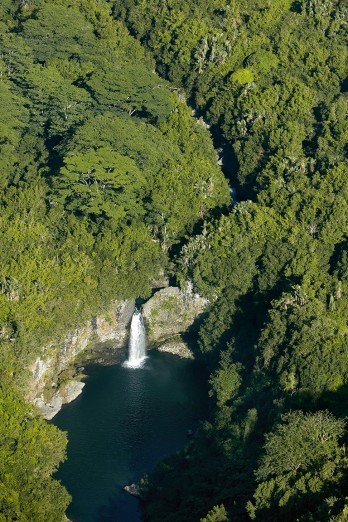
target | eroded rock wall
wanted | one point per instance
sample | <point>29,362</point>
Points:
<point>53,383</point>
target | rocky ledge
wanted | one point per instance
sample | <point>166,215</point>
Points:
<point>169,313</point>
<point>179,348</point>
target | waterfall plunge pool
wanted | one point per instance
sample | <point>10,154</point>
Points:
<point>123,424</point>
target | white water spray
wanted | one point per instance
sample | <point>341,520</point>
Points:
<point>137,342</point>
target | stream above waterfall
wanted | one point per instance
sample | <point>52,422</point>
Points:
<point>122,425</point>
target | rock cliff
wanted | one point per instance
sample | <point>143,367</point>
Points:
<point>53,380</point>
<point>168,314</point>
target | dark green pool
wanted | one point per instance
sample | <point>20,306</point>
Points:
<point>121,426</point>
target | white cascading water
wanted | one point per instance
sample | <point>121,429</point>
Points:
<point>137,342</point>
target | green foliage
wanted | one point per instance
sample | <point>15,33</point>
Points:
<point>242,76</point>
<point>102,172</point>
<point>224,255</point>
<point>182,183</point>
<point>217,514</point>
<point>84,172</point>
<point>30,451</point>
<point>304,342</point>
<point>57,103</point>
<point>105,175</point>
<point>14,123</point>
<point>225,381</point>
<point>100,182</point>
<point>300,442</point>
<point>131,89</point>
<point>302,462</point>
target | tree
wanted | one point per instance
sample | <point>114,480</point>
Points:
<point>101,182</point>
<point>302,463</point>
<point>217,514</point>
<point>226,380</point>
<point>30,451</point>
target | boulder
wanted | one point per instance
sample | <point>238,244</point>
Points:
<point>49,408</point>
<point>71,390</point>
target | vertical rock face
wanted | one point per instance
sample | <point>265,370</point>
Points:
<point>43,390</point>
<point>169,313</point>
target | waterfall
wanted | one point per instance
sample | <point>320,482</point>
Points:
<point>137,342</point>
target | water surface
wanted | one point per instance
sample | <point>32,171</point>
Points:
<point>126,421</point>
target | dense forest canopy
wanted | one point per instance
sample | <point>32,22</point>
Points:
<point>270,80</point>
<point>106,179</point>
